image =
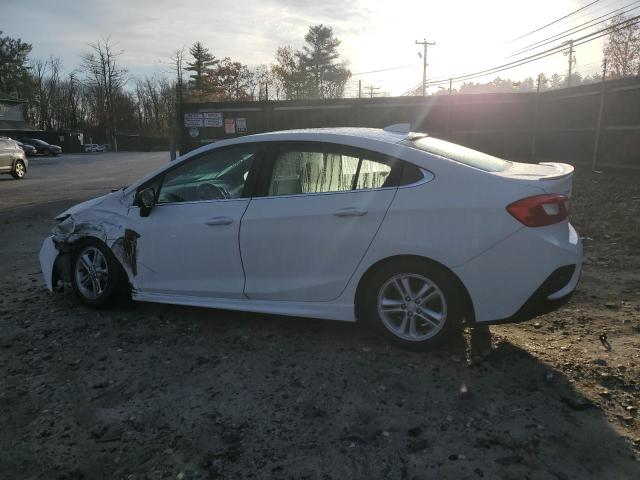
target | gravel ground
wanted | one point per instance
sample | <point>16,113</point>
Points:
<point>152,391</point>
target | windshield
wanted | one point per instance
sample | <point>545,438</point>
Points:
<point>458,153</point>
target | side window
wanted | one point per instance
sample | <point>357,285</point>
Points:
<point>311,170</point>
<point>372,174</point>
<point>318,169</point>
<point>216,175</point>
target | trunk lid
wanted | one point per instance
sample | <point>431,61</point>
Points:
<point>550,176</point>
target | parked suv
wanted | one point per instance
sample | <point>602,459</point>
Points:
<point>43,147</point>
<point>12,158</point>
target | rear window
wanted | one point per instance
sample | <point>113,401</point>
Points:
<point>458,153</point>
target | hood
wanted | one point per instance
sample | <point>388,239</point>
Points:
<point>105,201</point>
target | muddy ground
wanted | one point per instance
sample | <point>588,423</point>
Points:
<point>152,391</point>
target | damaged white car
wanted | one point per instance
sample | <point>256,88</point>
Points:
<point>411,233</point>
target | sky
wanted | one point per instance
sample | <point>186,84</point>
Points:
<point>470,35</point>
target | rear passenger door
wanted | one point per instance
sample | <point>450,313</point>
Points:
<point>321,207</point>
<point>6,155</point>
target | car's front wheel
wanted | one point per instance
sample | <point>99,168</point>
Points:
<point>19,170</point>
<point>97,277</point>
<point>415,304</point>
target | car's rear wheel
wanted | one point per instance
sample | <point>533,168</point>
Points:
<point>19,170</point>
<point>96,275</point>
<point>415,304</point>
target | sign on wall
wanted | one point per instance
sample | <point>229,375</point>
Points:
<point>193,120</point>
<point>230,125</point>
<point>241,125</point>
<point>213,119</point>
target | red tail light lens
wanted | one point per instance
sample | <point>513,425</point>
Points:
<point>540,210</point>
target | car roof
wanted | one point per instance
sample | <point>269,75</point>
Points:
<point>378,134</point>
<point>353,136</point>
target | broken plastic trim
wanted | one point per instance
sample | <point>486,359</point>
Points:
<point>105,226</point>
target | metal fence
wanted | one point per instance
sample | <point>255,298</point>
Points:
<point>596,124</point>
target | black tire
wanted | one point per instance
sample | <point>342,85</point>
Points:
<point>19,170</point>
<point>110,289</point>
<point>46,152</point>
<point>446,295</point>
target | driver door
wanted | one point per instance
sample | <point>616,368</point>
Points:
<point>188,245</point>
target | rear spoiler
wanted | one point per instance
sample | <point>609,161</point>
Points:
<point>564,170</point>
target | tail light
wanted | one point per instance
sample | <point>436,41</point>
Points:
<point>540,210</point>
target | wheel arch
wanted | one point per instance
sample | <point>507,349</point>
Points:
<point>366,278</point>
<point>62,266</point>
<point>19,159</point>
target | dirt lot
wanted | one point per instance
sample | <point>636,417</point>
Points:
<point>149,391</point>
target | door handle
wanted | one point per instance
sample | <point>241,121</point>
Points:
<point>350,212</point>
<point>219,221</point>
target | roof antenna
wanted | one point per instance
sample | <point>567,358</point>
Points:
<point>398,128</point>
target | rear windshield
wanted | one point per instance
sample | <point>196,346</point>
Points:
<point>458,153</point>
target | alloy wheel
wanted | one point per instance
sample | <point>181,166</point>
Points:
<point>412,307</point>
<point>19,169</point>
<point>91,273</point>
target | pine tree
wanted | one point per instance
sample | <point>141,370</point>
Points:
<point>202,63</point>
<point>318,59</point>
<point>14,77</point>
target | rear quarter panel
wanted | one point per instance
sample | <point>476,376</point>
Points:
<point>451,219</point>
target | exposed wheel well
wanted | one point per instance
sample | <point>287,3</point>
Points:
<point>62,265</point>
<point>365,279</point>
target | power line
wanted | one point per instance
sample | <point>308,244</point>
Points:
<point>531,58</point>
<point>383,70</point>
<point>575,29</point>
<point>554,22</point>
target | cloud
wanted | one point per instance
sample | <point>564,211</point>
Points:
<point>149,30</point>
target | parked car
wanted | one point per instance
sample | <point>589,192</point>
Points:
<point>410,233</point>
<point>28,150</point>
<point>94,147</point>
<point>12,158</point>
<point>43,147</point>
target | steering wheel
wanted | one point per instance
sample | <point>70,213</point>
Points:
<point>208,191</point>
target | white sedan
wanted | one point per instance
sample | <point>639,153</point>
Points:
<point>413,234</point>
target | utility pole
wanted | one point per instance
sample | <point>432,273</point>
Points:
<point>359,88</point>
<point>570,62</point>
<point>424,44</point>
<point>371,90</point>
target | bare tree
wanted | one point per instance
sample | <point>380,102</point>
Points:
<point>106,79</point>
<point>622,47</point>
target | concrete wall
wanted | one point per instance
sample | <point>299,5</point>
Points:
<point>557,125</point>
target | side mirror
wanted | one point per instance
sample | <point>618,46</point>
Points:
<point>146,201</point>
